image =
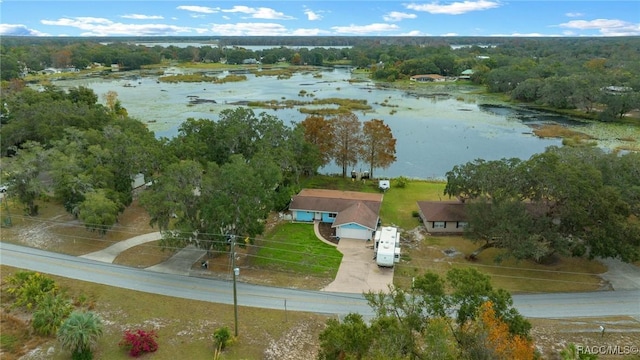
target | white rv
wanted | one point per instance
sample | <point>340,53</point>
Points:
<point>387,246</point>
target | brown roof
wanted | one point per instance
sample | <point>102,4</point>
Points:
<point>455,210</point>
<point>442,210</point>
<point>339,194</point>
<point>429,76</point>
<point>357,213</point>
<point>351,206</point>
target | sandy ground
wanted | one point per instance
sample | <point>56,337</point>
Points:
<point>550,335</point>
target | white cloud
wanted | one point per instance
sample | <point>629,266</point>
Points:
<point>574,14</point>
<point>142,17</point>
<point>364,29</point>
<point>103,27</point>
<point>19,30</point>
<point>312,15</point>
<point>414,33</point>
<point>455,8</point>
<point>249,29</point>
<point>398,16</point>
<point>606,27</point>
<point>450,34</point>
<point>524,35</point>
<point>259,13</point>
<point>309,32</point>
<point>198,9</point>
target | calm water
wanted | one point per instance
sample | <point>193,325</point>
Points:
<point>434,133</point>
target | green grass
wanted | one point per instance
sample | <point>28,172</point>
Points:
<point>339,183</point>
<point>399,203</point>
<point>295,247</point>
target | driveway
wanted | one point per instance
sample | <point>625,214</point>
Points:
<point>358,271</point>
<point>621,275</point>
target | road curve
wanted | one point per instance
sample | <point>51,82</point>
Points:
<point>556,305</point>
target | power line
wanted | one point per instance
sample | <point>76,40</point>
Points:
<point>262,241</point>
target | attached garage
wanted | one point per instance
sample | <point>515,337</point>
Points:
<point>354,215</point>
<point>353,231</point>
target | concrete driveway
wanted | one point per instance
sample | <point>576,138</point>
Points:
<point>358,271</point>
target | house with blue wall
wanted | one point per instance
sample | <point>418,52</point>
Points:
<point>353,214</point>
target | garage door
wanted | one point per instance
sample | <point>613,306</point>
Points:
<point>353,233</point>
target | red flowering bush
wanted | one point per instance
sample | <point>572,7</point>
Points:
<point>139,342</point>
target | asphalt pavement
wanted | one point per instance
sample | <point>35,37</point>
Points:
<point>554,305</point>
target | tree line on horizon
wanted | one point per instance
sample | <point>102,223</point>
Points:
<point>596,76</point>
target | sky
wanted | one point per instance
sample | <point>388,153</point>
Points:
<point>90,18</point>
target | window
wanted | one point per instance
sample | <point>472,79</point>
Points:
<point>439,224</point>
<point>462,224</point>
<point>332,215</point>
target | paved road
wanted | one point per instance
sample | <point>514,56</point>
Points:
<point>604,303</point>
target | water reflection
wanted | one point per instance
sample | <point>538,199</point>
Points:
<point>434,132</point>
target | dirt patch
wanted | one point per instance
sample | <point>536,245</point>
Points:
<point>327,232</point>
<point>17,335</point>
<point>552,335</point>
<point>300,342</point>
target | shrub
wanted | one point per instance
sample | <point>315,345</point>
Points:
<point>139,342</point>
<point>28,287</point>
<point>401,182</point>
<point>221,337</point>
<point>50,312</point>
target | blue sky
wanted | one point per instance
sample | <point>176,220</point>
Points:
<point>319,18</point>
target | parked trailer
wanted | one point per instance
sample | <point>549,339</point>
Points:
<point>387,246</point>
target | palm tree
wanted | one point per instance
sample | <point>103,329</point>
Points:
<point>79,333</point>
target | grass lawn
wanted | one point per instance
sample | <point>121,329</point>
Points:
<point>294,247</point>
<point>339,183</point>
<point>399,203</point>
<point>563,275</point>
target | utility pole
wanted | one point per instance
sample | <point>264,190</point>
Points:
<point>236,271</point>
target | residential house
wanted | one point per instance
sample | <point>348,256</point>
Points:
<point>451,217</point>
<point>443,216</point>
<point>466,74</point>
<point>353,214</point>
<point>427,77</point>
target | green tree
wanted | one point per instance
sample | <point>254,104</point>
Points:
<point>194,206</point>
<point>174,199</point>
<point>557,92</point>
<point>98,211</point>
<point>378,145</point>
<point>557,202</point>
<point>22,174</point>
<point>238,196</point>
<point>79,333</point>
<point>350,339</point>
<point>426,321</point>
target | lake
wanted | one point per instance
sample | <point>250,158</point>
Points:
<point>434,132</point>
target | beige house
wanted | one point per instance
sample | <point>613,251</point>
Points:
<point>427,77</point>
